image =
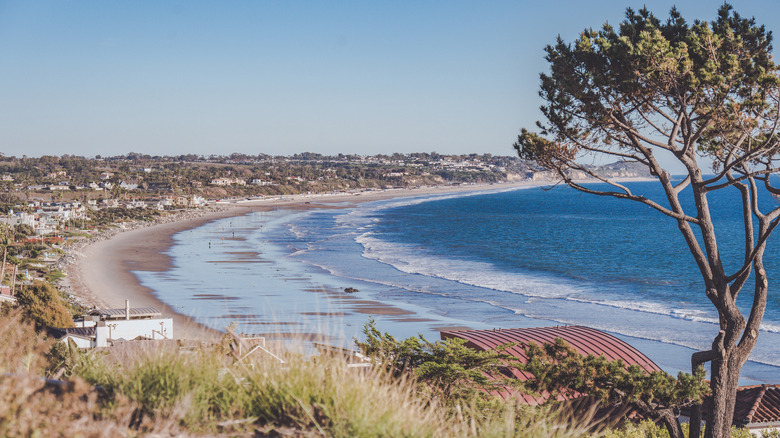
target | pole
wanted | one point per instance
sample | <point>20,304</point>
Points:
<point>2,270</point>
<point>13,284</point>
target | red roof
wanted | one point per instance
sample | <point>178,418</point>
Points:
<point>757,404</point>
<point>584,340</point>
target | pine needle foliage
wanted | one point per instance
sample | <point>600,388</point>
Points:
<point>448,370</point>
<point>563,372</point>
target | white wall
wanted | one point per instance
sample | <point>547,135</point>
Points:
<point>79,341</point>
<point>131,329</point>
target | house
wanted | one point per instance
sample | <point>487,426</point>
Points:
<point>53,175</point>
<point>584,340</point>
<point>5,294</point>
<point>260,182</point>
<point>227,182</point>
<point>159,187</point>
<point>128,184</point>
<point>105,176</point>
<point>101,328</point>
<point>757,408</point>
<point>135,203</point>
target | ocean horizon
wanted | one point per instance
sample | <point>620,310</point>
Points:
<point>505,258</point>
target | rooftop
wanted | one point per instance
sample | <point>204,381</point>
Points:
<point>120,313</point>
<point>757,404</point>
<point>584,340</point>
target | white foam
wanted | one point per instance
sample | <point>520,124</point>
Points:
<point>414,260</point>
<point>362,216</point>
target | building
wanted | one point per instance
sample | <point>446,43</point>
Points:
<point>5,294</point>
<point>757,408</point>
<point>101,328</point>
<point>128,184</point>
<point>227,182</point>
<point>260,182</point>
<point>584,340</point>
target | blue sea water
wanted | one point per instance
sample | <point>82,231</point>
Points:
<point>503,258</point>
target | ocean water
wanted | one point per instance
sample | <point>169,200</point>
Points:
<point>496,259</point>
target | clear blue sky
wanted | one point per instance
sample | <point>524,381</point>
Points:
<point>280,77</point>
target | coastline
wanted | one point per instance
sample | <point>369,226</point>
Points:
<point>102,273</point>
<point>109,271</point>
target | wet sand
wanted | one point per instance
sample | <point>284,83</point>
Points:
<point>102,274</point>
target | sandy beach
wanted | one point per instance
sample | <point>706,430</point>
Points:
<point>101,274</point>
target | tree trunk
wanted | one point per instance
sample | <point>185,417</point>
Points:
<point>672,423</point>
<point>724,383</point>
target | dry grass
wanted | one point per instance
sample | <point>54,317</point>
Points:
<point>160,390</point>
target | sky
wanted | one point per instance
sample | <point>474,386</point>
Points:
<point>281,77</point>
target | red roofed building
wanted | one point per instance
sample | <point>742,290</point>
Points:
<point>757,408</point>
<point>584,340</point>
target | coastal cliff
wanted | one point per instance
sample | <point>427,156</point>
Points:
<point>611,171</point>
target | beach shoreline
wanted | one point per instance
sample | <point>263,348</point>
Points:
<point>101,274</point>
<point>108,271</point>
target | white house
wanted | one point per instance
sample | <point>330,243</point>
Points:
<point>101,328</point>
<point>227,182</point>
<point>128,185</point>
<point>260,182</point>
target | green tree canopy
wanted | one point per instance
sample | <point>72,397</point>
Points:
<point>451,372</point>
<point>42,303</point>
<point>702,94</point>
<point>561,371</point>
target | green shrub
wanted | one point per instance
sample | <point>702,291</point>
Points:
<point>643,429</point>
<point>43,304</point>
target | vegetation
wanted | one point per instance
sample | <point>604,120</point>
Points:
<point>109,216</point>
<point>701,94</point>
<point>146,176</point>
<point>160,389</point>
<point>43,304</point>
<point>163,389</point>
<point>560,371</point>
<point>447,371</point>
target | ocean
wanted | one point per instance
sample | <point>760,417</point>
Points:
<point>500,258</point>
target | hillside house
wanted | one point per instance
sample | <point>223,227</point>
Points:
<point>260,182</point>
<point>101,328</point>
<point>584,340</point>
<point>5,294</point>
<point>757,408</point>
<point>228,182</point>
<point>128,184</point>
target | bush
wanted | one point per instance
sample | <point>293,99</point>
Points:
<point>42,303</point>
<point>24,230</point>
<point>448,370</point>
